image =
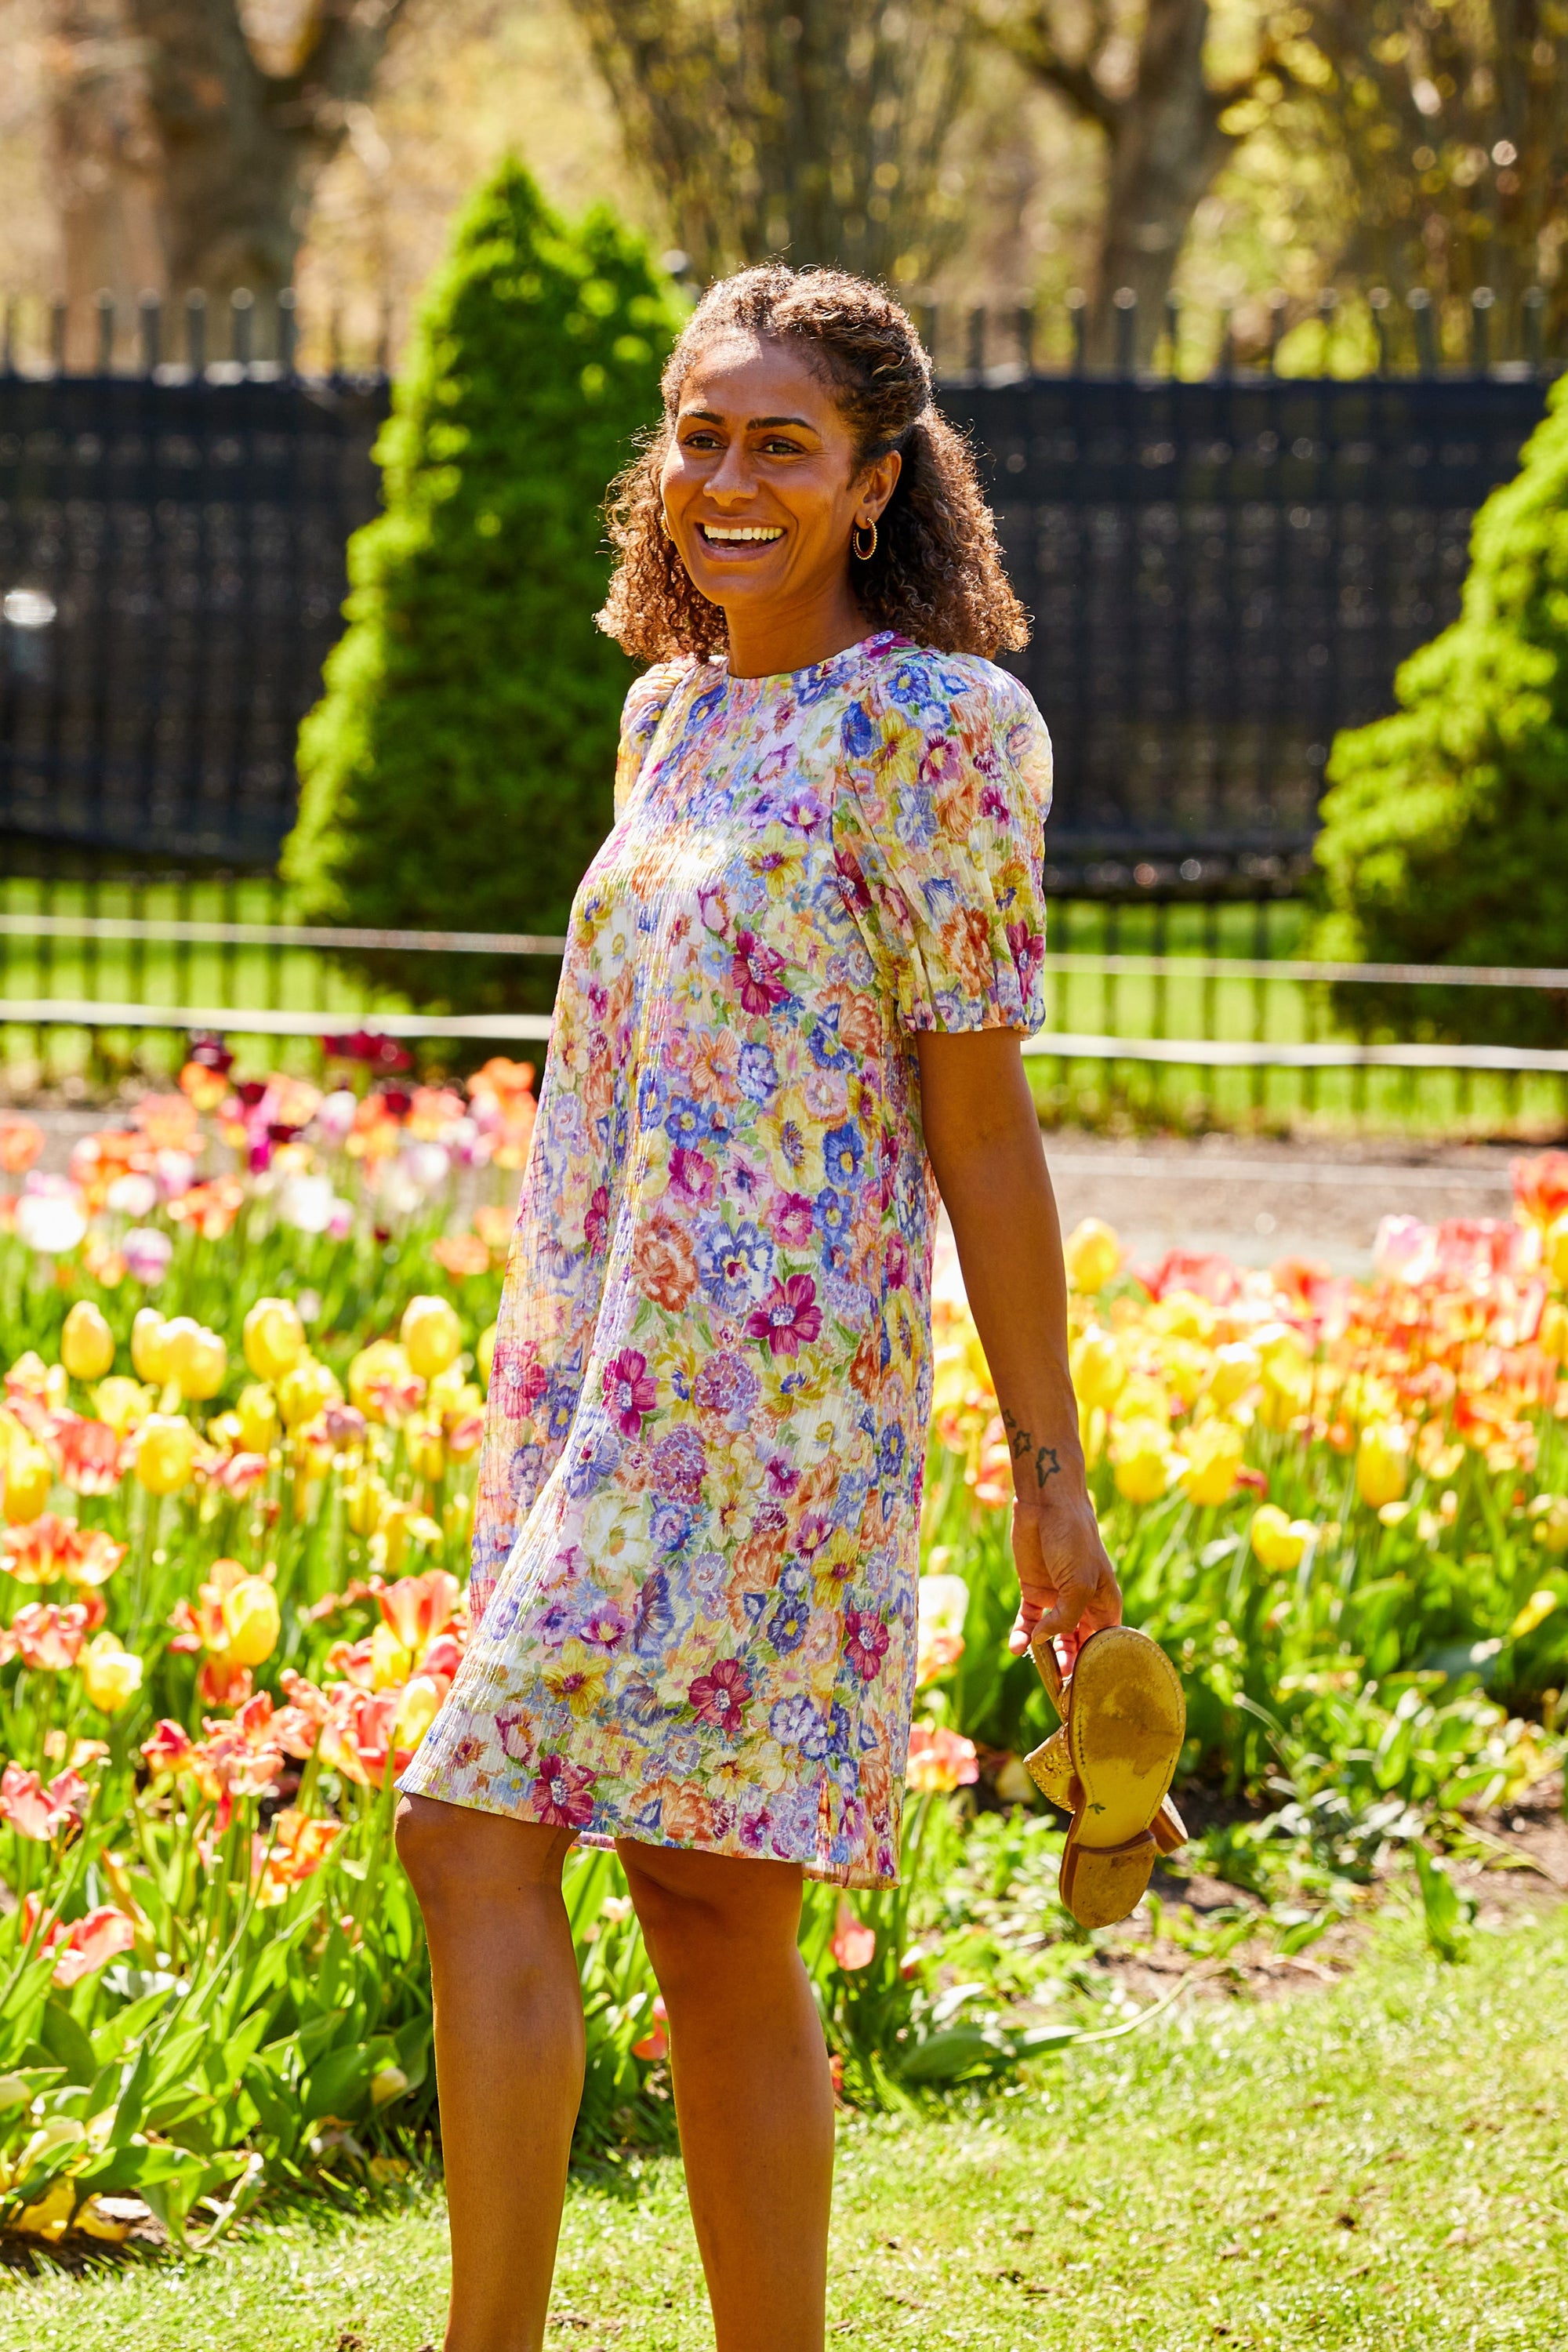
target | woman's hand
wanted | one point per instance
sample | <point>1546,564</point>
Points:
<point>1067,1586</point>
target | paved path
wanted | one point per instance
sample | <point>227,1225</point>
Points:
<point>1259,1201</point>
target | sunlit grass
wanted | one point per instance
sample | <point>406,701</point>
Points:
<point>1374,2169</point>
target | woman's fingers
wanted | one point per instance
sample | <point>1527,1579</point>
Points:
<point>1066,1582</point>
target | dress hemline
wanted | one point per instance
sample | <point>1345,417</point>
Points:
<point>823,1874</point>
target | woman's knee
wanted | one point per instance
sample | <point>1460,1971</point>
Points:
<point>697,1909</point>
<point>453,1855</point>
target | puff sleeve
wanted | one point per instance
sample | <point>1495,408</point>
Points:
<point>939,842</point>
<point>647,700</point>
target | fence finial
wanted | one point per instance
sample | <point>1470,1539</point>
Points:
<point>1126,303</point>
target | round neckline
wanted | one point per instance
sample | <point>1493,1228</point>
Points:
<point>815,673</point>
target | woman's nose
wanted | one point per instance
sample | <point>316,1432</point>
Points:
<point>732,477</point>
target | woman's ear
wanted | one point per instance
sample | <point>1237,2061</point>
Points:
<point>878,484</point>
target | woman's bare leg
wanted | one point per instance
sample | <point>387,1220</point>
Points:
<point>509,2057</point>
<point>753,2092</point>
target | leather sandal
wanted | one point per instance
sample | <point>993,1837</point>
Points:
<point>1123,1718</point>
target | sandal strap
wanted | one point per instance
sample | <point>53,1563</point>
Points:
<point>1042,1650</point>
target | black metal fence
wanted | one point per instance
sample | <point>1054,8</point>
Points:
<point>1221,574</point>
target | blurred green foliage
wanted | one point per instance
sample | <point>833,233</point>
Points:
<point>456,771</point>
<point>1444,835</point>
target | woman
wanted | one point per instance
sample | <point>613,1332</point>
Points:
<point>795,986</point>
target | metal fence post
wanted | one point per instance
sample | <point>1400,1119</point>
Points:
<point>1126,302</point>
<point>1379,301</point>
<point>1420,303</point>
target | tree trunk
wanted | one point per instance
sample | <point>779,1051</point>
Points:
<point>182,164</point>
<point>1166,151</point>
<point>1165,145</point>
<point>812,137</point>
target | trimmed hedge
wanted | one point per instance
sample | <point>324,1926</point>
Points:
<point>1445,836</point>
<point>458,772</point>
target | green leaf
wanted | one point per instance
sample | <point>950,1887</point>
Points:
<point>1448,1924</point>
<point>282,2115</point>
<point>68,2042</point>
<point>338,2086</point>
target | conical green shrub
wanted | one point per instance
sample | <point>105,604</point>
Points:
<point>1445,836</point>
<point>456,773</point>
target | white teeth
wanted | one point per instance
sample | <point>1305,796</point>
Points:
<point>718,531</point>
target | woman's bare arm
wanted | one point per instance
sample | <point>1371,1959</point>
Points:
<point>983,1138</point>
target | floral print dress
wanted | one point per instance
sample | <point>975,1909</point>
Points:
<point>695,1548</point>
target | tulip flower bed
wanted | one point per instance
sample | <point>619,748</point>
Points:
<point>247,1338</point>
<point>1343,1507</point>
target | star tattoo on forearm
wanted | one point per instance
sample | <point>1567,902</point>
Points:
<point>1024,1449</point>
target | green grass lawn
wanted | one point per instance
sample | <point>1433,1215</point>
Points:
<point>1377,2168</point>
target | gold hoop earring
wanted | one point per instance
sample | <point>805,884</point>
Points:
<point>664,524</point>
<point>865,553</point>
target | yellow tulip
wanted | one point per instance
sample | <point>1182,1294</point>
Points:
<point>363,1501</point>
<point>1555,1250</point>
<point>165,1453</point>
<point>1214,1455</point>
<point>251,1622</point>
<point>1554,1333</point>
<point>256,1413</point>
<point>149,1351</point>
<point>1094,1252</point>
<point>1535,1611</point>
<point>29,1475</point>
<point>274,1338</point>
<point>1277,1542</point>
<point>426,1448</point>
<point>34,1378</point>
<point>305,1390</point>
<point>1145,1398</point>
<point>447,1390</point>
<point>1286,1381</point>
<point>110,1676</point>
<point>1549,1513</point>
<point>465,1423</point>
<point>1382,1464</point>
<point>389,2082</point>
<point>123,1404</point>
<point>389,1661</point>
<point>485,1352</point>
<point>1097,1370</point>
<point>198,1358</point>
<point>431,1334</point>
<point>1182,1315</point>
<point>383,1365</point>
<point>1236,1368</point>
<point>87,1343</point>
<point>1188,1368</point>
<point>418,1709</point>
<point>1140,1458</point>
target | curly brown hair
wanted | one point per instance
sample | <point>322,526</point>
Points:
<point>936,575</point>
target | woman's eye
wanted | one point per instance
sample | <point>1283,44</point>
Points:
<point>777,448</point>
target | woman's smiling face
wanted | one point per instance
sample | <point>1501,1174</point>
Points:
<point>759,482</point>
